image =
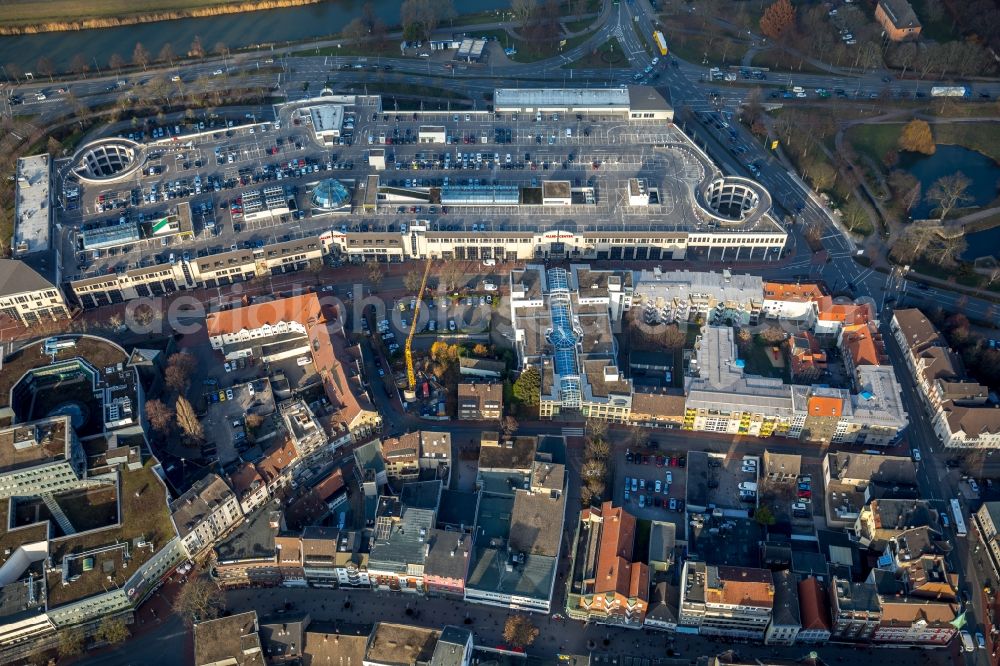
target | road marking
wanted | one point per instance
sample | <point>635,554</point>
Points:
<point>572,432</point>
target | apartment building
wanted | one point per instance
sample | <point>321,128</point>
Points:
<point>898,19</point>
<point>447,562</point>
<point>855,610</point>
<point>814,611</point>
<point>786,619</point>
<point>722,397</point>
<point>734,602</point>
<point>303,428</point>
<point>402,456</point>
<point>852,480</point>
<point>202,515</point>
<point>563,327</point>
<point>249,487</point>
<point>987,520</point>
<point>480,402</point>
<point>672,296</point>
<point>28,298</point>
<point>608,585</point>
<point>958,407</point>
<point>788,301</point>
<point>883,520</point>
<point>233,639</point>
<point>399,548</point>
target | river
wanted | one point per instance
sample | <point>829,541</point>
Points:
<point>234,30</point>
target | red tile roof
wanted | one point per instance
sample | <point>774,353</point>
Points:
<point>304,309</point>
<point>813,605</point>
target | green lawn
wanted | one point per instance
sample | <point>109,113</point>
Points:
<point>609,54</point>
<point>874,140</point>
<point>719,51</point>
<point>528,52</point>
<point>757,362</point>
<point>581,24</point>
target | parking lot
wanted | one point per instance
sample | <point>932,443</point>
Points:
<point>225,421</point>
<point>216,164</point>
<point>656,484</point>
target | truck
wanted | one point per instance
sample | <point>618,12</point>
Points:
<point>950,91</point>
<point>661,42</point>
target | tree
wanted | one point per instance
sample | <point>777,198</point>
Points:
<point>528,387</point>
<point>71,642</point>
<point>375,274</point>
<point>167,54</point>
<point>509,425</point>
<point>949,192</point>
<point>518,631</point>
<point>116,62</point>
<point>199,600</point>
<point>855,217</point>
<point>822,175</point>
<point>159,415</point>
<point>112,630</point>
<point>763,516</point>
<point>480,350</point>
<point>15,71</point>
<point>914,241</point>
<point>638,436</point>
<point>45,67</point>
<point>420,18</point>
<point>79,64</point>
<point>598,449</point>
<point>596,429</point>
<point>188,420</point>
<point>917,137</point>
<point>778,20</point>
<point>412,281</point>
<point>773,335</point>
<point>594,469</point>
<point>356,30</point>
<point>744,339</point>
<point>452,275</point>
<point>905,188</point>
<point>254,421</point>
<point>196,50</point>
<point>523,10</point>
<point>53,146</point>
<point>140,56</point>
<point>180,367</point>
<point>673,337</point>
<point>945,250</point>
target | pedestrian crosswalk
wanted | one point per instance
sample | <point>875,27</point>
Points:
<point>572,432</point>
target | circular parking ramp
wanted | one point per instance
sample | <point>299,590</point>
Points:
<point>108,160</point>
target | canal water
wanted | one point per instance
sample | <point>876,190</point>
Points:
<point>234,30</point>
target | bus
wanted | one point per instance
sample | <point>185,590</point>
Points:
<point>661,43</point>
<point>956,512</point>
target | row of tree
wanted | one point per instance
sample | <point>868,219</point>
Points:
<point>80,65</point>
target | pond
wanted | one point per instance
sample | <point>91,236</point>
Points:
<point>978,168</point>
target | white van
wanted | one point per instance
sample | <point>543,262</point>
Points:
<point>303,360</point>
<point>538,117</point>
<point>569,133</point>
<point>748,486</point>
<point>489,262</point>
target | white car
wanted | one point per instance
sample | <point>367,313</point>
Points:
<point>250,389</point>
<point>916,455</point>
<point>229,394</point>
<point>217,72</point>
<point>303,360</point>
<point>658,486</point>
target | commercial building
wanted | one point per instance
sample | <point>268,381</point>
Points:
<point>958,407</point>
<point>399,547</point>
<point>898,19</point>
<point>32,208</point>
<point>855,610</point>
<point>734,602</point>
<point>987,519</point>
<point>326,121</point>
<point>636,102</point>
<point>562,327</point>
<point>814,607</point>
<point>518,535</point>
<point>608,586</point>
<point>480,402</point>
<point>402,456</point>
<point>28,298</point>
<point>791,301</point>
<point>233,639</point>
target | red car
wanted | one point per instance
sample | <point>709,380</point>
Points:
<point>659,461</point>
<point>805,494</point>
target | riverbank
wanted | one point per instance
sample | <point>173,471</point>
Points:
<point>30,18</point>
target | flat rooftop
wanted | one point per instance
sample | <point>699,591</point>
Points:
<point>559,99</point>
<point>32,211</point>
<point>34,443</point>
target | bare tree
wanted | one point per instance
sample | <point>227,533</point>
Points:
<point>45,67</point>
<point>79,64</point>
<point>180,366</point>
<point>196,50</point>
<point>945,250</point>
<point>375,274</point>
<point>188,420</point>
<point>112,630</point>
<point>199,600</point>
<point>914,241</point>
<point>518,631</point>
<point>159,415</point>
<point>116,62</point>
<point>411,281</point>
<point>452,275</point>
<point>140,56</point>
<point>14,71</point>
<point>167,54</point>
<point>949,192</point>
